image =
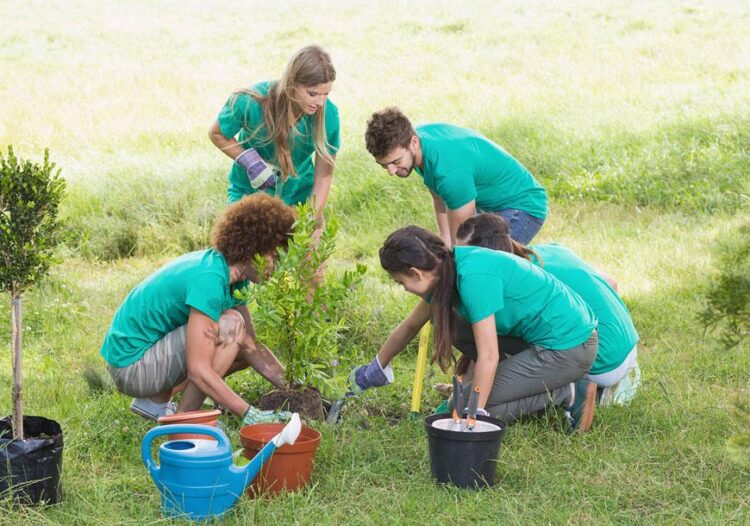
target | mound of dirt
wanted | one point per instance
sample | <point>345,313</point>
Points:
<point>307,403</point>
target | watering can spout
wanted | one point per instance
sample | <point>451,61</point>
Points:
<point>244,475</point>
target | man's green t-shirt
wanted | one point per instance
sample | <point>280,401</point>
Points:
<point>617,335</point>
<point>461,165</point>
<point>527,302</point>
<point>162,302</point>
<point>242,116</point>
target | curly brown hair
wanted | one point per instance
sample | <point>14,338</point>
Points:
<point>386,130</point>
<point>256,224</point>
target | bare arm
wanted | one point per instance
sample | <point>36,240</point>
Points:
<point>229,146</point>
<point>200,350</point>
<point>321,187</point>
<point>404,333</point>
<point>441,218</point>
<point>458,216</point>
<point>257,355</point>
<point>249,327</point>
<point>488,357</point>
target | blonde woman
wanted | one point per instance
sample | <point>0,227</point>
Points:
<point>272,130</point>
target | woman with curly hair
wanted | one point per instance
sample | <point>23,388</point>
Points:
<point>183,326</point>
<point>272,129</point>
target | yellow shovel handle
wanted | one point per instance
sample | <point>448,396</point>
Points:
<point>416,395</point>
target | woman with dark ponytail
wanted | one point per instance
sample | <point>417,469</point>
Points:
<point>615,369</point>
<point>499,294</point>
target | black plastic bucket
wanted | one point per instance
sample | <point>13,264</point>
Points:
<point>31,468</point>
<point>464,459</point>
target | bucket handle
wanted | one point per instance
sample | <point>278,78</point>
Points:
<point>148,461</point>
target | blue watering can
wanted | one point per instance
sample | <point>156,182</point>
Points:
<point>196,477</point>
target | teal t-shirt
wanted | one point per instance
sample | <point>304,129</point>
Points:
<point>461,165</point>
<point>527,302</point>
<point>242,117</point>
<point>617,335</point>
<point>162,302</point>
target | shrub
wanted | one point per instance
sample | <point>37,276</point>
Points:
<point>304,324</point>
<point>738,445</point>
<point>728,297</point>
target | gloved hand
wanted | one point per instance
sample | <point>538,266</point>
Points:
<point>257,416</point>
<point>371,375</point>
<point>259,174</point>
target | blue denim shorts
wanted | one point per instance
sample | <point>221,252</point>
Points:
<point>521,225</point>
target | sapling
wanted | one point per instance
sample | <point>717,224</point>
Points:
<point>29,231</point>
<point>298,320</point>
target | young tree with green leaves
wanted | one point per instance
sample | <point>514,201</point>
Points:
<point>303,323</point>
<point>30,194</point>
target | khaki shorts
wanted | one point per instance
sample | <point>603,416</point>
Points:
<point>163,366</point>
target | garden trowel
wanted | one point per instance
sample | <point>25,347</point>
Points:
<point>335,412</point>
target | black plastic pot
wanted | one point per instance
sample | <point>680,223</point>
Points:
<point>464,459</point>
<point>31,468</point>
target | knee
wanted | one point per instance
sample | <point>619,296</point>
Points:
<point>231,327</point>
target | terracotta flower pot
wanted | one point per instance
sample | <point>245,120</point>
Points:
<point>290,466</point>
<point>205,417</point>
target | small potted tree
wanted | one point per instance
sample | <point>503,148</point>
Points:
<point>30,446</point>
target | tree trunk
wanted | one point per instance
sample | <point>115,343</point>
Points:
<point>17,358</point>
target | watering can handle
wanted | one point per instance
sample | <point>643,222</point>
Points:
<point>218,434</point>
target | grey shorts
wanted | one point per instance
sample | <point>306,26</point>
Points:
<point>163,366</point>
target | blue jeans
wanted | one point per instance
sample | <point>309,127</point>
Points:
<point>522,226</point>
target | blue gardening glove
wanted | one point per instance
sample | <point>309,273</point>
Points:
<point>260,175</point>
<point>257,416</point>
<point>371,375</point>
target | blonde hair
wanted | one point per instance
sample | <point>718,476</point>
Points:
<point>310,66</point>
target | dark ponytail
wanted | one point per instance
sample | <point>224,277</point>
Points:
<point>491,231</point>
<point>415,247</point>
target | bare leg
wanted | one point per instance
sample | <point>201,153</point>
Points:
<point>231,334</point>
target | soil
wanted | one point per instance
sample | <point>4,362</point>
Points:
<point>307,403</point>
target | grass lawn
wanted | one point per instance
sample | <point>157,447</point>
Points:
<point>634,116</point>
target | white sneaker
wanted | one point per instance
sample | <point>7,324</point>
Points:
<point>623,391</point>
<point>150,410</point>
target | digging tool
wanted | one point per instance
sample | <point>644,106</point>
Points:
<point>416,395</point>
<point>458,396</point>
<point>471,417</point>
<point>335,412</point>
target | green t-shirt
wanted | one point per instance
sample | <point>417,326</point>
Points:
<point>617,335</point>
<point>527,302</point>
<point>461,165</point>
<point>242,116</point>
<point>162,302</point>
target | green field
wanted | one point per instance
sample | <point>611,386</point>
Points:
<point>634,115</point>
